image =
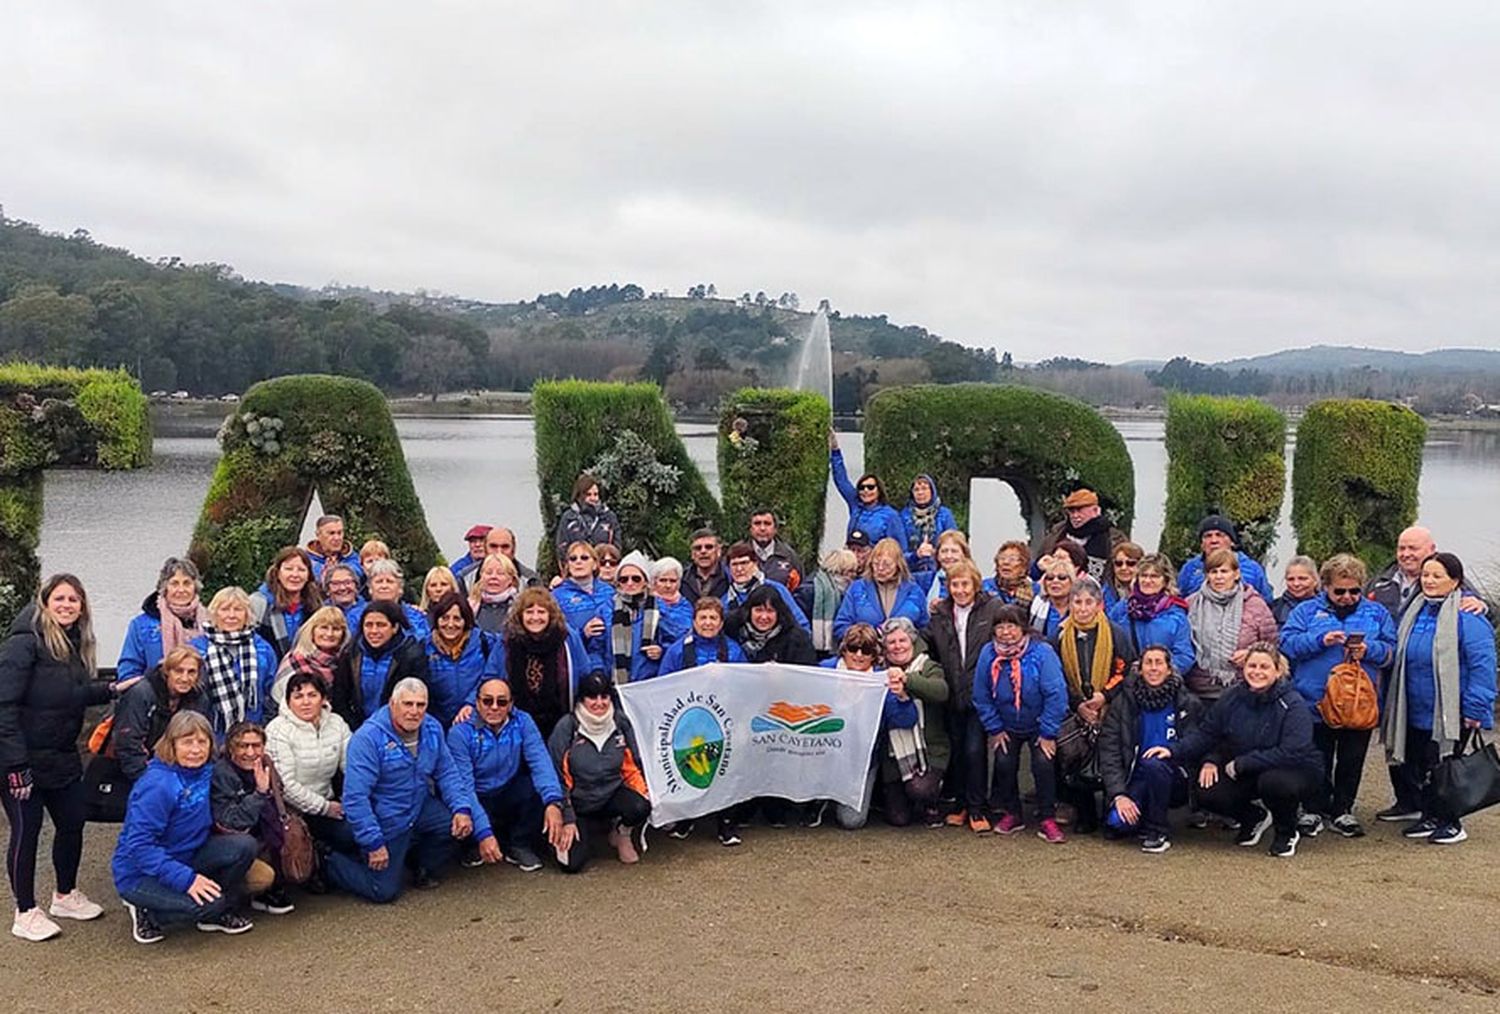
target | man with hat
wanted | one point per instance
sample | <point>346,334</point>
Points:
<point>1218,532</point>
<point>464,565</point>
<point>1087,526</point>
<point>858,543</point>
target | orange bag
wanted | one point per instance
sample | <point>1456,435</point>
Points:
<point>1349,698</point>
<point>99,738</point>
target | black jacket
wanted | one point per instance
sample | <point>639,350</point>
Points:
<point>142,716</point>
<point>713,587</point>
<point>410,659</point>
<point>1120,733</point>
<point>1283,604</point>
<point>791,645</point>
<point>1258,731</point>
<point>942,644</point>
<point>1125,657</point>
<point>42,702</point>
<point>236,805</point>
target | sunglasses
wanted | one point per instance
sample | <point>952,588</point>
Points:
<point>632,579</point>
<point>1124,564</point>
<point>868,486</point>
<point>709,548</point>
<point>494,702</point>
<point>580,559</point>
<point>1058,577</point>
<point>1344,593</point>
<point>862,649</point>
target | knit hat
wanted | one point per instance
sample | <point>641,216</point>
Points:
<point>1218,523</point>
<point>1081,498</point>
<point>595,684</point>
<point>638,559</point>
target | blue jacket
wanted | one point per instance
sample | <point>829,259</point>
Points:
<point>894,712</point>
<point>1476,678</point>
<point>1190,577</point>
<point>1169,627</point>
<point>167,819</point>
<point>674,620</point>
<point>385,786</point>
<point>732,600</point>
<point>320,562</point>
<point>992,587</point>
<point>272,617</point>
<point>943,522</point>
<point>1044,693</point>
<point>861,604</point>
<point>693,651</point>
<point>451,682</point>
<point>878,521</point>
<point>375,668</point>
<point>265,661</point>
<point>141,649</point>
<point>487,761</point>
<point>1312,661</point>
<point>1258,731</point>
<point>416,620</point>
<point>579,607</point>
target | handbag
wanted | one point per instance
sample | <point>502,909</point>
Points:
<point>1077,747</point>
<point>298,858</point>
<point>1470,779</point>
<point>106,790</point>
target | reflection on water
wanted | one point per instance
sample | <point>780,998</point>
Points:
<point>114,529</point>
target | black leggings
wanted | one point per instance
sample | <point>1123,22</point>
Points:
<point>626,807</point>
<point>66,805</point>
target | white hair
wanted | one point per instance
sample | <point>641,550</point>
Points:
<point>409,686</point>
<point>666,565</point>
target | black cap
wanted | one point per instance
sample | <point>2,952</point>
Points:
<point>858,538</point>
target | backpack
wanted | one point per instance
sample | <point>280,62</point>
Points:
<point>1349,699</point>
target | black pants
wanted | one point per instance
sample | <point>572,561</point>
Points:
<point>66,805</point>
<point>1005,796</point>
<point>515,812</point>
<point>917,796</point>
<point>1282,790</point>
<point>1411,779</point>
<point>333,832</point>
<point>1343,753</point>
<point>968,765</point>
<point>626,807</point>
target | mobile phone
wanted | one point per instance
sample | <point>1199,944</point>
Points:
<point>1354,639</point>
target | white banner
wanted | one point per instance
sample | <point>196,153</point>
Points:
<point>724,733</point>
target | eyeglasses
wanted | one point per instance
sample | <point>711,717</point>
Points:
<point>707,547</point>
<point>494,702</point>
<point>862,649</point>
<point>1344,593</point>
<point>580,558</point>
<point>632,579</point>
<point>868,485</point>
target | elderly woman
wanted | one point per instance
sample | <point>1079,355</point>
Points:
<point>884,592</point>
<point>382,654</point>
<point>598,763</point>
<point>1124,560</point>
<point>145,710</point>
<point>706,643</point>
<point>633,621</point>
<point>168,868</point>
<point>385,583</point>
<point>243,800</point>
<point>1226,616</point>
<point>960,627</point>
<point>1012,580</point>
<point>768,632</point>
<point>1050,608</point>
<point>459,657</point>
<point>321,649</point>
<point>675,611</point>
<point>170,616</point>
<point>1338,626</point>
<point>588,603</point>
<point>869,510</point>
<point>239,666</point>
<point>1153,613</point>
<point>1021,698</point>
<point>543,659</point>
<point>439,581</point>
<point>587,519</point>
<point>1441,690</point>
<point>1254,743</point>
<point>914,759</point>
<point>494,591</point>
<point>1301,578</point>
<point>340,584</point>
<point>1153,708</point>
<point>820,598</point>
<point>923,519</point>
<point>288,597</point>
<point>308,743</point>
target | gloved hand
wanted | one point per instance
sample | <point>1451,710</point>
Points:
<point>19,783</point>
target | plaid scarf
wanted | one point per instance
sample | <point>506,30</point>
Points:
<point>622,630</point>
<point>908,747</point>
<point>231,675</point>
<point>318,662</point>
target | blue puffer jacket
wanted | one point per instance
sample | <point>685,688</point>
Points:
<point>674,620</point>
<point>1190,578</point>
<point>693,651</point>
<point>942,522</point>
<point>385,786</point>
<point>991,586</point>
<point>861,604</point>
<point>1258,731</point>
<point>579,607</point>
<point>167,819</point>
<point>1312,661</point>
<point>734,600</point>
<point>878,521</point>
<point>416,620</point>
<point>265,662</point>
<point>487,761</point>
<point>1044,693</point>
<point>277,627</point>
<point>1476,678</point>
<point>451,682</point>
<point>1168,627</point>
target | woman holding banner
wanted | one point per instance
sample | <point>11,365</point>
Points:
<point>594,751</point>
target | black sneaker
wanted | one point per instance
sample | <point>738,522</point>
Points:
<point>471,859</point>
<point>274,902</point>
<point>142,927</point>
<point>1421,829</point>
<point>1310,825</point>
<point>1284,846</point>
<point>1156,844</point>
<point>728,836</point>
<point>1450,833</point>
<point>1248,836</point>
<point>523,859</point>
<point>1347,825</point>
<point>681,830</point>
<point>423,880</point>
<point>1398,814</point>
<point>230,922</point>
<point>812,816</point>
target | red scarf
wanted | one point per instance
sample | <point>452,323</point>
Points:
<point>1010,653</point>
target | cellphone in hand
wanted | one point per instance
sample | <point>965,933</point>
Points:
<point>1354,639</point>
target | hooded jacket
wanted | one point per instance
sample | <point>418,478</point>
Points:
<point>416,620</point>
<point>385,786</point>
<point>1257,731</point>
<point>581,522</point>
<point>590,774</point>
<point>792,644</point>
<point>321,560</point>
<point>861,604</point>
<point>451,682</point>
<point>142,716</point>
<point>1120,733</point>
<point>693,651</point>
<point>1168,628</point>
<point>167,820</point>
<point>943,521</point>
<point>279,628</point>
<point>308,757</point>
<point>877,520</point>
<point>488,760</point>
<point>733,601</point>
<point>1043,693</point>
<point>579,607</point>
<point>1312,661</point>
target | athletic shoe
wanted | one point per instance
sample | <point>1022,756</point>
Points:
<point>142,927</point>
<point>74,905</point>
<point>1009,824</point>
<point>682,829</point>
<point>1347,825</point>
<point>423,880</point>
<point>1450,833</point>
<point>523,859</point>
<point>1049,832</point>
<point>1156,844</point>
<point>274,902</point>
<point>1249,834</point>
<point>1197,819</point>
<point>934,819</point>
<point>728,836</point>
<point>1310,825</point>
<point>1421,829</point>
<point>469,861</point>
<point>979,823</point>
<point>813,815</point>
<point>1397,814</point>
<point>956,819</point>
<point>1284,846</point>
<point>33,924</point>
<point>230,922</point>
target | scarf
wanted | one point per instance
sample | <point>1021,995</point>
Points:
<point>318,662</point>
<point>453,649</point>
<point>1143,608</point>
<point>1149,698</point>
<point>498,598</point>
<point>1215,621</point>
<point>908,747</point>
<point>536,667</point>
<point>589,518</point>
<point>1447,717</point>
<point>1093,536</point>
<point>175,633</point>
<point>622,629</point>
<point>1101,666</point>
<point>740,592</point>
<point>231,675</point>
<point>1011,655</point>
<point>826,597</point>
<point>924,520</point>
<point>595,728</point>
<point>1018,591</point>
<point>754,641</point>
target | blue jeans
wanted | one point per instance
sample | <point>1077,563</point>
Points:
<point>1005,794</point>
<point>224,858</point>
<point>429,843</point>
<point>515,812</point>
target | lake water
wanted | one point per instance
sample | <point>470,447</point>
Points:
<point>114,529</point>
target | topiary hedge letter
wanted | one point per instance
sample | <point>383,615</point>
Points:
<point>1044,445</point>
<point>773,453</point>
<point>290,436</point>
<point>1355,477</point>
<point>1224,456</point>
<point>57,416</point>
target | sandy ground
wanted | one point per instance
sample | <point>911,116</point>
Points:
<point>882,919</point>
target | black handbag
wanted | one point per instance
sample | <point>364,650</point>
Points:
<point>1078,750</point>
<point>106,790</point>
<point>1469,780</point>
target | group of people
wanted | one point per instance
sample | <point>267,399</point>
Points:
<point>334,729</point>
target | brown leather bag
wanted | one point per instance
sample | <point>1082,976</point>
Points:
<point>1349,698</point>
<point>298,859</point>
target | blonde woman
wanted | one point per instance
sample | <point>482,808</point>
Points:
<point>238,664</point>
<point>321,648</point>
<point>885,591</point>
<point>438,583</point>
<point>494,592</point>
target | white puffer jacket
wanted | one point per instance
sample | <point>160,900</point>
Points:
<point>307,757</point>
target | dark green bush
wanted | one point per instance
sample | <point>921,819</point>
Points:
<point>1044,445</point>
<point>288,437</point>
<point>1355,477</point>
<point>1224,456</point>
<point>773,452</point>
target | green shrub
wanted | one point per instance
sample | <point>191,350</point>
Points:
<point>1044,445</point>
<point>773,453</point>
<point>288,437</point>
<point>1355,477</point>
<point>1224,456</point>
<point>623,434</point>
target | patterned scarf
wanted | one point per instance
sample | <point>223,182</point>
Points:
<point>924,519</point>
<point>1215,621</point>
<point>1010,654</point>
<point>318,662</point>
<point>1149,698</point>
<point>1018,591</point>
<point>908,747</point>
<point>231,675</point>
<point>175,633</point>
<point>622,629</point>
<point>754,640</point>
<point>1143,607</point>
<point>536,667</point>
<point>1101,666</point>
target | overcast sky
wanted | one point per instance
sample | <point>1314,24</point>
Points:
<point>1112,180</point>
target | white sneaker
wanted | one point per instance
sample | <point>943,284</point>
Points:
<point>33,924</point>
<point>74,905</point>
